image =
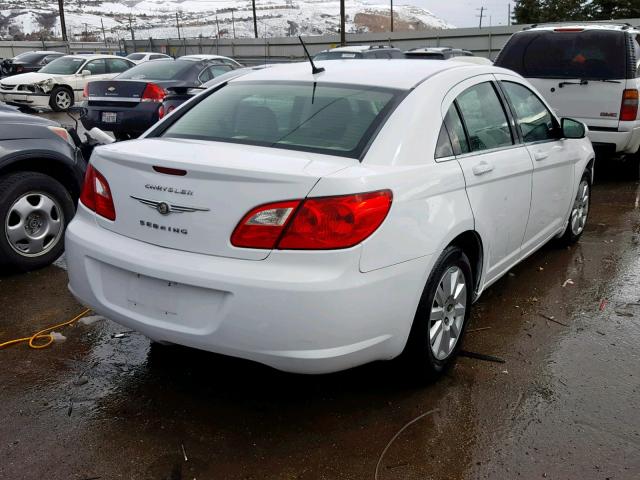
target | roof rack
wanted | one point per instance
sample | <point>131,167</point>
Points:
<point>624,25</point>
<point>372,47</point>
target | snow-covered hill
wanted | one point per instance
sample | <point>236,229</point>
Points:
<point>157,18</point>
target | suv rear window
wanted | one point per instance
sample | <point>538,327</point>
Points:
<point>588,54</point>
<point>331,119</point>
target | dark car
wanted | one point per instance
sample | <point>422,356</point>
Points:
<point>128,104</point>
<point>437,53</point>
<point>28,62</point>
<point>177,96</point>
<point>41,174</point>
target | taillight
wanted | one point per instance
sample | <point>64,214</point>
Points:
<point>85,91</point>
<point>629,108</point>
<point>161,111</point>
<point>153,93</point>
<point>323,223</point>
<point>96,194</point>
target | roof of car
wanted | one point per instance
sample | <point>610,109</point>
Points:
<point>582,26</point>
<point>206,57</point>
<point>398,74</point>
<point>91,56</point>
<point>357,48</point>
<point>146,53</point>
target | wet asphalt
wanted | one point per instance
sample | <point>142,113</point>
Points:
<point>565,404</point>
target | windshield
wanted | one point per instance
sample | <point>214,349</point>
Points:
<point>589,54</point>
<point>135,56</point>
<point>336,55</point>
<point>158,70</point>
<point>336,120</point>
<point>63,66</point>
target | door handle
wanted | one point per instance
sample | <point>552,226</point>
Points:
<point>540,155</point>
<point>482,168</point>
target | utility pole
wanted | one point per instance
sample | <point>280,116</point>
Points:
<point>63,25</point>
<point>178,25</point>
<point>392,15</point>
<point>343,37</point>
<point>104,35</point>
<point>86,33</point>
<point>255,21</point>
<point>133,35</point>
<point>217,27</point>
<point>482,9</point>
<point>233,22</point>
<point>509,14</point>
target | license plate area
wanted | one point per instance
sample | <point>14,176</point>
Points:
<point>153,295</point>
<point>109,117</point>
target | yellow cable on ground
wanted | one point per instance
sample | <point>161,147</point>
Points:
<point>44,334</point>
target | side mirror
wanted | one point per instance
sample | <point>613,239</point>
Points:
<point>573,129</point>
<point>85,73</point>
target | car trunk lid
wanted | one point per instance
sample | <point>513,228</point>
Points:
<point>199,210</point>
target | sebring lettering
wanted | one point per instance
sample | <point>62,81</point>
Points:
<point>161,188</point>
<point>164,228</point>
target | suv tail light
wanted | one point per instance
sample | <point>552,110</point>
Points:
<point>629,108</point>
<point>323,223</point>
<point>153,93</point>
<point>96,194</point>
<point>85,91</point>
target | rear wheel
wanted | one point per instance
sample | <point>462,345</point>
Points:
<point>34,210</point>
<point>61,99</point>
<point>579,213</point>
<point>441,319</point>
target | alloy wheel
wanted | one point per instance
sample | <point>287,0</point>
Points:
<point>580,209</point>
<point>447,313</point>
<point>63,99</point>
<point>34,224</point>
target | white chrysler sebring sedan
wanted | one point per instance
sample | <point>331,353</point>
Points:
<point>314,222</point>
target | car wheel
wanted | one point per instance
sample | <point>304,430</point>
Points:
<point>34,210</point>
<point>579,213</point>
<point>61,99</point>
<point>441,318</point>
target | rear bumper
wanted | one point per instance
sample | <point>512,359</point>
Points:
<point>133,120</point>
<point>304,312</point>
<point>32,100</point>
<point>626,140</point>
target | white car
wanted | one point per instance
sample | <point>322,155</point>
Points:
<point>590,72</point>
<point>59,84</point>
<point>220,58</point>
<point>141,57</point>
<point>318,222</point>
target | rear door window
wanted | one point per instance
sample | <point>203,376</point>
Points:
<point>117,65</point>
<point>484,117</point>
<point>456,132</point>
<point>534,119</point>
<point>588,54</point>
<point>96,67</point>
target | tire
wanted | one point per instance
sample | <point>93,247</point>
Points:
<point>424,357</point>
<point>35,210</point>
<point>579,213</point>
<point>61,99</point>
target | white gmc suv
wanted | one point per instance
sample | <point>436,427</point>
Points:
<point>585,71</point>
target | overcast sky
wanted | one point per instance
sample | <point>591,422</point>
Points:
<point>462,13</point>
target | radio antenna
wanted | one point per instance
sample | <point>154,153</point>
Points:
<point>314,69</point>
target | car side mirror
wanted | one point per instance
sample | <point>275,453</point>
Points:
<point>573,129</point>
<point>85,73</point>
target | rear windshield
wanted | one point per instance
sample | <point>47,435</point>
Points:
<point>589,54</point>
<point>432,56</point>
<point>158,70</point>
<point>32,57</point>
<point>337,55</point>
<point>336,120</point>
<point>136,56</point>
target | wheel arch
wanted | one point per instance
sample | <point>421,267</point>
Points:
<point>62,172</point>
<point>471,244</point>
